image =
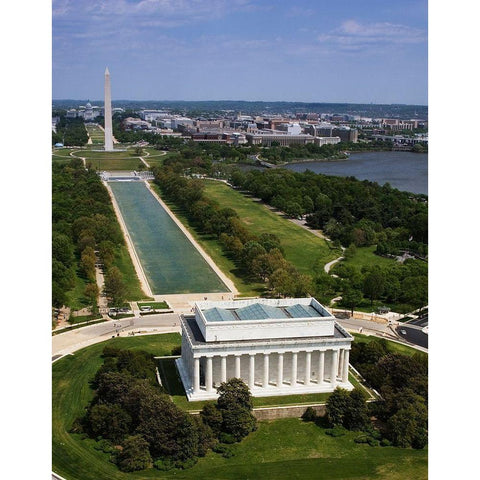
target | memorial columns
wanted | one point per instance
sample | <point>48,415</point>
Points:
<point>321,367</point>
<point>308,367</point>
<point>280,370</point>
<point>224,369</point>
<point>209,375</point>
<point>237,366</point>
<point>266,367</point>
<point>251,373</point>
<point>294,369</point>
<point>340,363</point>
<point>334,368</point>
<point>345,366</point>
<point>196,375</point>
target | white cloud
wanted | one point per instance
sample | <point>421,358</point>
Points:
<point>353,35</point>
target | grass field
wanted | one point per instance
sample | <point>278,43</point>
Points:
<point>302,248</point>
<point>96,134</point>
<point>281,449</point>
<point>124,263</point>
<point>364,256</point>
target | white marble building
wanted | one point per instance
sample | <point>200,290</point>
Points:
<point>276,346</point>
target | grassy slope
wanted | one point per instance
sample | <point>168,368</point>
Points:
<point>124,263</point>
<point>302,248</point>
<point>281,449</point>
<point>364,256</point>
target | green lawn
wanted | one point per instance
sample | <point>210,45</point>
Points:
<point>155,305</point>
<point>96,134</point>
<point>364,256</point>
<point>302,248</point>
<point>281,449</point>
<point>124,263</point>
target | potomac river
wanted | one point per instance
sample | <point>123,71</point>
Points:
<point>403,170</point>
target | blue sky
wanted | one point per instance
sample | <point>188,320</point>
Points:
<point>368,51</point>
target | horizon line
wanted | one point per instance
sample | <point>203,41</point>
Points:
<point>252,101</point>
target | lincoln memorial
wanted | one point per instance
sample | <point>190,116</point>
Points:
<point>276,346</point>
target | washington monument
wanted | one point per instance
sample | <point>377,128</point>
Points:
<point>108,113</point>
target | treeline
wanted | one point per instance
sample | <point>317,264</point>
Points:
<point>348,210</point>
<point>402,382</point>
<point>399,417</point>
<point>70,132</point>
<point>134,419</point>
<point>259,257</point>
<point>277,154</point>
<point>84,229</point>
<point>403,285</point>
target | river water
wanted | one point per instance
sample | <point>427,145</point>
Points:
<point>403,170</point>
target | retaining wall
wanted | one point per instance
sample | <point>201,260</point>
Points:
<point>272,413</point>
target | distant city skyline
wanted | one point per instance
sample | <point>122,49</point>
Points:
<point>307,51</point>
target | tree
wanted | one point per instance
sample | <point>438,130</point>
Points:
<point>337,405</point>
<point>115,288</point>
<point>87,263</point>
<point>91,293</point>
<point>351,297</point>
<point>238,421</point>
<point>108,421</point>
<point>234,392</point>
<point>356,416</point>
<point>235,405</point>
<point>134,454</point>
<point>374,284</point>
<point>212,417</point>
<point>408,426</point>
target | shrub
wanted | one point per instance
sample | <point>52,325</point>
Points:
<point>134,455</point>
<point>185,464</point>
<point>335,431</point>
<point>373,442</point>
<point>225,450</point>
<point>164,464</point>
<point>111,351</point>
<point>385,442</point>
<point>361,439</point>
<point>226,438</point>
<point>104,445</point>
<point>309,415</point>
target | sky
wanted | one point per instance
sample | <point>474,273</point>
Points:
<point>368,51</point>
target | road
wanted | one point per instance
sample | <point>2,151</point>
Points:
<point>68,342</point>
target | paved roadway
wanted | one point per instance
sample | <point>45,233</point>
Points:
<point>68,342</point>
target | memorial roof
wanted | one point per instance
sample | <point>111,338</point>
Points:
<point>259,311</point>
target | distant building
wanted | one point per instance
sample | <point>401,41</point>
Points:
<point>290,128</point>
<point>266,138</point>
<point>326,140</point>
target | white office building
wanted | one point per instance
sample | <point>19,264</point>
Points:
<point>276,346</point>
